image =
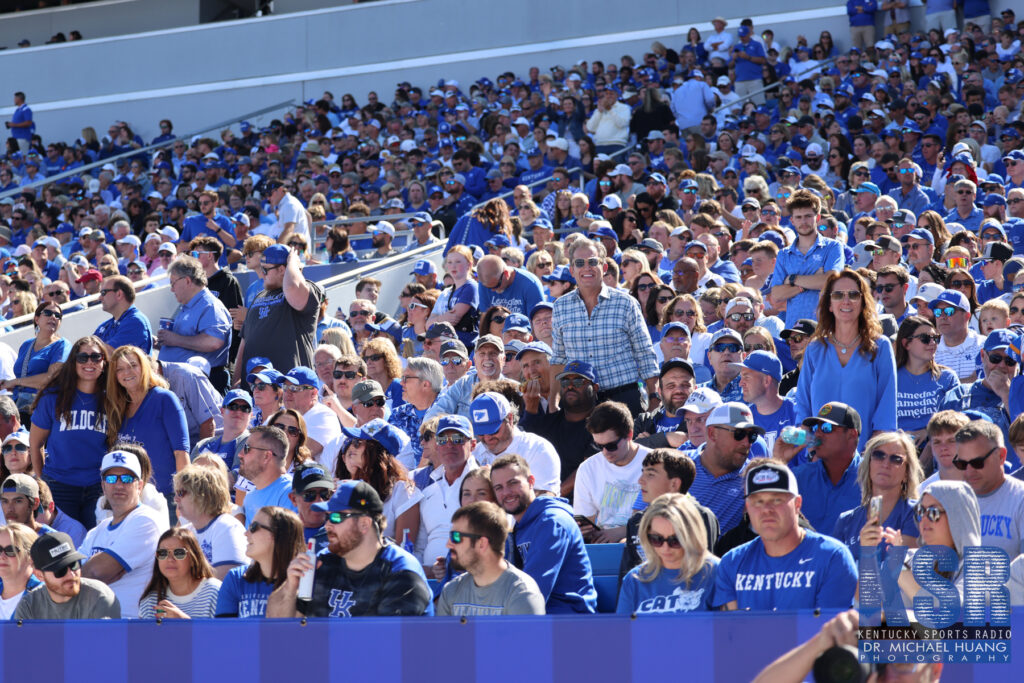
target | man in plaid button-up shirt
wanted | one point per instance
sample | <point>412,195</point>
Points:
<point>605,328</point>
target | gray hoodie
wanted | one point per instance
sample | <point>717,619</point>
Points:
<point>963,515</point>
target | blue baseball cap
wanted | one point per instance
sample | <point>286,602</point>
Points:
<point>236,395</point>
<point>380,431</point>
<point>420,216</point>
<point>604,231</point>
<point>268,376</point>
<point>256,362</point>
<point>538,346</point>
<point>352,494</point>
<point>424,267</point>
<point>560,274</point>
<point>674,326</point>
<point>489,411</point>
<point>578,367</point>
<point>275,255</point>
<point>950,297</point>
<point>868,187</point>
<point>658,178</point>
<point>542,306</point>
<point>695,243</point>
<point>921,234</point>
<point>1015,155</point>
<point>999,339</point>
<point>910,126</point>
<point>765,362</point>
<point>516,322</point>
<point>300,375</point>
<point>498,242</point>
<point>994,200</point>
<point>455,423</point>
<point>684,184</point>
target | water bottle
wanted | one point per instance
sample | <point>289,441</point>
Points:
<point>798,436</point>
<point>407,544</point>
<point>306,582</point>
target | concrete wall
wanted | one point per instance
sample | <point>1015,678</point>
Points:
<point>97,19</point>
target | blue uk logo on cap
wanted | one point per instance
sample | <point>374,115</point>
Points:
<point>300,375</point>
<point>578,367</point>
<point>516,322</point>
<point>950,297</point>
<point>1000,339</point>
<point>256,362</point>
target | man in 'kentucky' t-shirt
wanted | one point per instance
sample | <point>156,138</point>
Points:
<point>786,566</point>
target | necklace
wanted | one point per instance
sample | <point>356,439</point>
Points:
<point>843,347</point>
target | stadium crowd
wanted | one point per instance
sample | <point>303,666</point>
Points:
<point>752,312</point>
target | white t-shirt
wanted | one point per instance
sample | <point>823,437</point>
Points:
<point>322,424</point>
<point>222,541</point>
<point>151,498</point>
<point>539,454</point>
<point>8,605</point>
<point>401,499</point>
<point>607,490</point>
<point>961,359</point>
<point>7,360</point>
<point>290,210</point>
<point>133,544</point>
<point>1002,517</point>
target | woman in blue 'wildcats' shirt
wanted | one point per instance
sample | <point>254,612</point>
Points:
<point>145,411</point>
<point>68,419</point>
<point>921,384</point>
<point>274,538</point>
<point>679,572</point>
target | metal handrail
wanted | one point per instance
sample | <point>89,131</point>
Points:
<point>142,150</point>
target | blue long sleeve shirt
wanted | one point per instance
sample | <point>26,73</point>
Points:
<point>867,385</point>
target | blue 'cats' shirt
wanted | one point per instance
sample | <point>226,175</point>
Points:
<point>664,595</point>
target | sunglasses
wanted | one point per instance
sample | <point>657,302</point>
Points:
<point>592,262</point>
<point>736,317</point>
<point>123,478</point>
<point>680,313</point>
<point>457,439</point>
<point>657,540</point>
<point>453,361</point>
<point>610,446</point>
<point>378,402</point>
<point>852,295</point>
<point>9,550</point>
<point>884,288</point>
<point>893,458</point>
<point>727,348</point>
<point>499,319</point>
<point>239,408</point>
<point>347,374</point>
<point>933,513</point>
<point>358,313</point>
<point>577,382</point>
<point>20,447</point>
<point>644,288</point>
<point>317,494</point>
<point>946,312</point>
<point>1005,360</point>
<point>290,430</point>
<point>926,338</point>
<point>50,313</point>
<point>825,427</point>
<point>75,567</point>
<point>666,299</point>
<point>296,388</point>
<point>374,357</point>
<point>457,536</point>
<point>255,526</point>
<point>260,386</point>
<point>178,554</point>
<point>750,348</point>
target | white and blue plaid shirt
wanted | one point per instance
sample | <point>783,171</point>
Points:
<point>613,338</point>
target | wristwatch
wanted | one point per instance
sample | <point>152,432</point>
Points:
<point>792,280</point>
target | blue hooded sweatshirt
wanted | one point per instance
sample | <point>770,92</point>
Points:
<point>547,544</point>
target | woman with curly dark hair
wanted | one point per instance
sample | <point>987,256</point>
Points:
<point>369,455</point>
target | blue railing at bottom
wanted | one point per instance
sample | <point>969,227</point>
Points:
<point>697,647</point>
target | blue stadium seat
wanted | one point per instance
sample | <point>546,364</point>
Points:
<point>605,558</point>
<point>607,592</point>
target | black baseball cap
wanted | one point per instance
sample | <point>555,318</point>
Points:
<point>804,326</point>
<point>673,363</point>
<point>54,551</point>
<point>311,476</point>
<point>836,413</point>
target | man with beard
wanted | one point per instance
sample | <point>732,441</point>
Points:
<point>546,542</point>
<point>383,232</point>
<point>491,585</point>
<point>361,574</point>
<point>797,336</point>
<point>674,386</point>
<point>209,222</point>
<point>261,463</point>
<point>565,429</point>
<point>64,593</point>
